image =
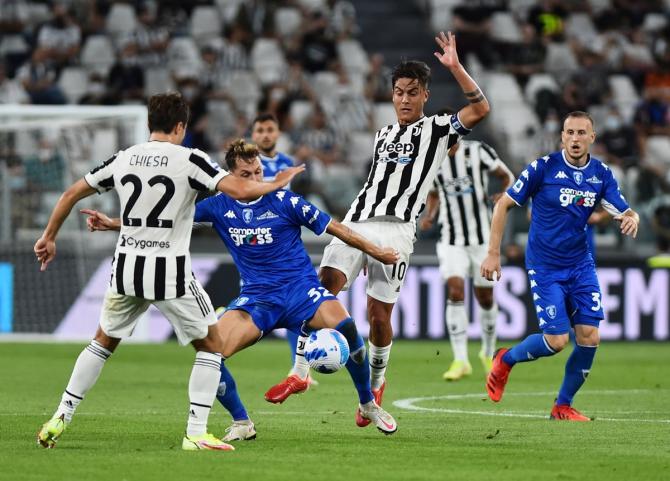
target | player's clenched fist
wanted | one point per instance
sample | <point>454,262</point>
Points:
<point>490,268</point>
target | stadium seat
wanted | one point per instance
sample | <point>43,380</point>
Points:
<point>599,5</point>
<point>560,60</point>
<point>360,149</point>
<point>325,85</point>
<point>157,80</point>
<point>268,61</point>
<point>287,21</point>
<point>221,118</point>
<point>538,82</point>
<point>205,23</point>
<point>352,55</point>
<point>228,9</point>
<point>502,87</point>
<point>654,22</point>
<point>183,51</point>
<point>300,112</point>
<point>313,5</point>
<point>624,95</point>
<point>520,7</point>
<point>383,114</point>
<point>580,27</point>
<point>98,54</point>
<point>121,19</point>
<point>73,81</point>
<point>247,90</point>
<point>504,28</point>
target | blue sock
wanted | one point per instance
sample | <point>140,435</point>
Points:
<point>576,371</point>
<point>357,365</point>
<point>531,348</point>
<point>292,339</point>
<point>227,395</point>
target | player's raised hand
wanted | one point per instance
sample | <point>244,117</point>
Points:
<point>490,268</point>
<point>388,255</point>
<point>629,224</point>
<point>285,176</point>
<point>97,220</point>
<point>449,56</point>
<point>45,251</point>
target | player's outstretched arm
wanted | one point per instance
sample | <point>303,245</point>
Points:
<point>45,247</point>
<point>432,206</point>
<point>469,115</point>
<point>242,189</point>
<point>491,265</point>
<point>630,220</point>
<point>97,220</point>
<point>387,255</point>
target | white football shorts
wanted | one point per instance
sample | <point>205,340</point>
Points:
<point>190,315</point>
<point>462,261</point>
<point>384,281</point>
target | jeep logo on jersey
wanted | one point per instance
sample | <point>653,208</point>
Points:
<point>404,150</point>
<point>257,236</point>
<point>577,197</point>
<point>578,176</point>
<point>247,215</point>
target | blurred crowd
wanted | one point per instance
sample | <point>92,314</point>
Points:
<point>304,61</point>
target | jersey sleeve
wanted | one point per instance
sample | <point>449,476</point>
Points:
<point>613,200</point>
<point>488,156</point>
<point>204,210</point>
<point>528,182</point>
<point>203,175</point>
<point>449,125</point>
<point>303,212</point>
<point>102,177</point>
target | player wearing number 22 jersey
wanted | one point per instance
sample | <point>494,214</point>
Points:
<point>565,188</point>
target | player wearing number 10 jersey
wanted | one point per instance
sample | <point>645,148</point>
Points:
<point>565,187</point>
<point>157,182</point>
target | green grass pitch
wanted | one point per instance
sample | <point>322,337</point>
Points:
<point>130,425</point>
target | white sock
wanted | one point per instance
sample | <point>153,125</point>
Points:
<point>457,324</point>
<point>300,367</point>
<point>84,375</point>
<point>379,358</point>
<point>202,388</point>
<point>488,321</point>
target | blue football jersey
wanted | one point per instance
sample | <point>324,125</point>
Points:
<point>273,165</point>
<point>263,236</point>
<point>564,196</point>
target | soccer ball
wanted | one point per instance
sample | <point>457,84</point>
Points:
<point>326,351</point>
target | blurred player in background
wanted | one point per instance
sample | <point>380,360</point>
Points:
<point>157,183</point>
<point>565,187</point>
<point>280,288</point>
<point>406,157</point>
<point>461,197</point>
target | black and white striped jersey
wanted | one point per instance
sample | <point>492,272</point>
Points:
<point>462,184</point>
<point>404,165</point>
<point>157,183</point>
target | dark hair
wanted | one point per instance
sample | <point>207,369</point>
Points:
<point>578,114</point>
<point>413,69</point>
<point>166,111</point>
<point>240,150</point>
<point>264,117</point>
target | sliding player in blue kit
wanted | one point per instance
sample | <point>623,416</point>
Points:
<point>565,188</point>
<point>279,288</point>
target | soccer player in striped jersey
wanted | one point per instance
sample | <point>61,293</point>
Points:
<point>565,187</point>
<point>406,157</point>
<point>157,183</point>
<point>280,288</point>
<point>461,197</point>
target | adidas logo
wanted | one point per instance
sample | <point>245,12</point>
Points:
<point>192,413</point>
<point>230,215</point>
<point>594,180</point>
<point>561,175</point>
<point>69,403</point>
<point>268,215</point>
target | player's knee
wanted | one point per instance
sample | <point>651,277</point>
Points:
<point>332,279</point>
<point>557,342</point>
<point>590,338</point>
<point>105,341</point>
<point>456,287</point>
<point>485,298</point>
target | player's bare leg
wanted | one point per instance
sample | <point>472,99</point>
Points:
<point>487,318</point>
<point>457,325</point>
<point>84,375</point>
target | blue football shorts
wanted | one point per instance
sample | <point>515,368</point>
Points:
<point>285,308</point>
<point>565,297</point>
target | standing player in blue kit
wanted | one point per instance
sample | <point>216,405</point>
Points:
<point>565,188</point>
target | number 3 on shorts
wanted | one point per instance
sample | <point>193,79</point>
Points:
<point>595,296</point>
<point>316,295</point>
